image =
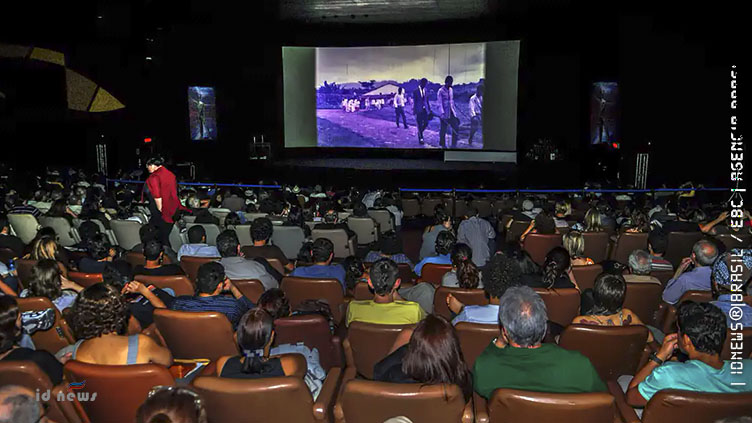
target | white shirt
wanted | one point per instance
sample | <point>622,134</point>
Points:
<point>476,105</point>
<point>399,100</point>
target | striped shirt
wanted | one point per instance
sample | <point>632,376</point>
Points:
<point>25,209</point>
<point>233,308</point>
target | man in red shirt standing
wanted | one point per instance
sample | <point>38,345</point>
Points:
<point>162,189</point>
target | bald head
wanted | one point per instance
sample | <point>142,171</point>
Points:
<point>522,314</point>
<point>19,405</point>
<point>704,252</point>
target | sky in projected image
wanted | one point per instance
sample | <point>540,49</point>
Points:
<point>465,62</point>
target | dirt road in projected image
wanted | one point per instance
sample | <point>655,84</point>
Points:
<point>377,129</point>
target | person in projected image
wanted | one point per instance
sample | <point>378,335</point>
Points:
<point>421,108</point>
<point>476,109</point>
<point>201,111</point>
<point>399,106</point>
<point>447,112</point>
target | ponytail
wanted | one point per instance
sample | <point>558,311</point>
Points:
<point>254,363</point>
<point>467,274</point>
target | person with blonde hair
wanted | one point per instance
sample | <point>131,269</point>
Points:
<point>574,242</point>
<point>593,221</point>
<point>47,248</point>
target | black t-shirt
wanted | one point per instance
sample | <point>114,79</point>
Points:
<point>12,242</point>
<point>679,226</point>
<point>267,252</point>
<point>163,270</point>
<point>536,281</point>
<point>143,310</point>
<point>46,362</point>
<point>389,369</point>
<point>89,265</point>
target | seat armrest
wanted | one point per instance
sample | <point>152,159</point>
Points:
<point>467,413</point>
<point>627,413</point>
<point>339,414</point>
<point>72,411</point>
<point>328,395</point>
<point>338,352</point>
<point>481,408</point>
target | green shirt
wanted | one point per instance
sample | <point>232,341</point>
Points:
<point>548,368</point>
<point>694,375</point>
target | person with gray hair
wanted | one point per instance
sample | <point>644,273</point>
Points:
<point>19,405</point>
<point>640,265</point>
<point>693,274</point>
<point>518,358</point>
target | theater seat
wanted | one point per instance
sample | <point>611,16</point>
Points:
<point>24,225</point>
<point>613,350</point>
<point>683,406</point>
<point>514,406</point>
<point>562,305</point>
<point>126,233</point>
<point>191,335</point>
<point>67,235</point>
<point>384,219</point>
<point>585,275</point>
<point>298,290</point>
<point>643,299</point>
<point>432,272</point>
<point>668,321</point>
<point>410,207</point>
<point>626,243</point>
<point>474,338</point>
<point>680,245</point>
<point>190,265</point>
<point>120,389</point>
<point>742,339</point>
<point>29,375</point>
<point>314,332</point>
<point>596,245</point>
<point>250,288</point>
<point>365,228</point>
<point>365,401</point>
<point>368,343</point>
<point>85,279</point>
<point>735,240</point>
<point>465,296</point>
<point>212,231</point>
<point>343,246</point>
<point>428,205</point>
<point>538,245</point>
<point>289,239</point>
<point>23,267</point>
<point>55,338</point>
<point>180,284</point>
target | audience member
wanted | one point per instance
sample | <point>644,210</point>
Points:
<point>19,206</point>
<point>46,247</point>
<point>556,272</point>
<point>464,273</point>
<point>99,254</point>
<point>9,241</point>
<point>389,246</point>
<point>355,271</point>
<point>430,354</point>
<point>238,267</point>
<point>574,243</point>
<point>639,268</point>
<point>142,299</point>
<point>444,243</point>
<point>657,244</point>
<point>295,217</point>
<point>47,281</point>
<point>18,404</point>
<point>683,222</point>
<point>593,221</point>
<point>148,232</point>
<point>501,273</point>
<point>197,246</point>
<point>261,233</point>
<point>738,262</point>
<point>518,359</point>
<point>442,222</point>
<point>542,224</point>
<point>332,221</point>
<point>170,404</point>
<point>385,307</point>
<point>322,253</point>
<point>693,274</point>
<point>154,266</point>
<point>478,234</point>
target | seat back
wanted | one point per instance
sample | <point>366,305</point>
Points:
<point>250,288</point>
<point>6,255</point>
<point>190,265</point>
<point>613,350</point>
<point>23,267</point>
<point>135,258</point>
<point>562,305</point>
<point>516,230</point>
<point>55,338</point>
<point>342,245</point>
<point>626,243</point>
<point>511,405</point>
<point>596,245</point>
<point>384,219</point>
<point>585,275</point>
<point>465,296</point>
<point>244,234</point>
<point>298,290</point>
<point>369,343</point>
<point>410,207</point>
<point>672,405</point>
<point>273,399</point>
<point>365,228</point>
<point>212,231</point>
<point>643,299</point>
<point>180,284</point>
<point>539,245</point>
<point>29,375</point>
<point>735,240</point>
<point>85,279</point>
<point>460,208</point>
<point>276,265</point>
<point>474,338</point>
<point>176,238</point>
<point>24,225</point>
<point>191,335</point>
<point>662,275</point>
<point>741,339</point>
<point>483,207</point>
<point>126,232</point>
<point>670,316</point>
<point>119,390</point>
<point>67,235</point>
<point>250,217</point>
<point>428,205</point>
<point>362,292</point>
<point>313,331</point>
<point>432,272</point>
<point>364,401</point>
<point>680,245</point>
<point>289,239</point>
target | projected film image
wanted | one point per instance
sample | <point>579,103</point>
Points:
<point>202,113</point>
<point>604,113</point>
<point>401,97</point>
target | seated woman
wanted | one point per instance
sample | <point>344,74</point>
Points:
<point>60,209</point>
<point>542,224</point>
<point>593,221</point>
<point>389,246</point>
<point>442,222</point>
<point>10,333</point>
<point>99,319</point>
<point>47,281</point>
<point>296,217</point>
<point>464,273</point>
<point>574,242</point>
<point>255,335</point>
<point>556,272</point>
<point>47,248</point>
<point>607,305</point>
<point>355,271</point>
<point>92,210</point>
<point>429,354</point>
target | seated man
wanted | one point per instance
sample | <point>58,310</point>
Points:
<point>703,255</point>
<point>322,253</point>
<point>478,234</point>
<point>237,266</point>
<point>148,232</point>
<point>518,359</point>
<point>657,244</point>
<point>444,243</point>
<point>639,268</point>
<point>722,282</point>
<point>501,273</point>
<point>154,257</point>
<point>9,241</point>
<point>142,299</point>
<point>701,335</point>
<point>385,307</point>
<point>99,254</point>
<point>197,245</point>
<point>211,281</point>
<point>261,232</point>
